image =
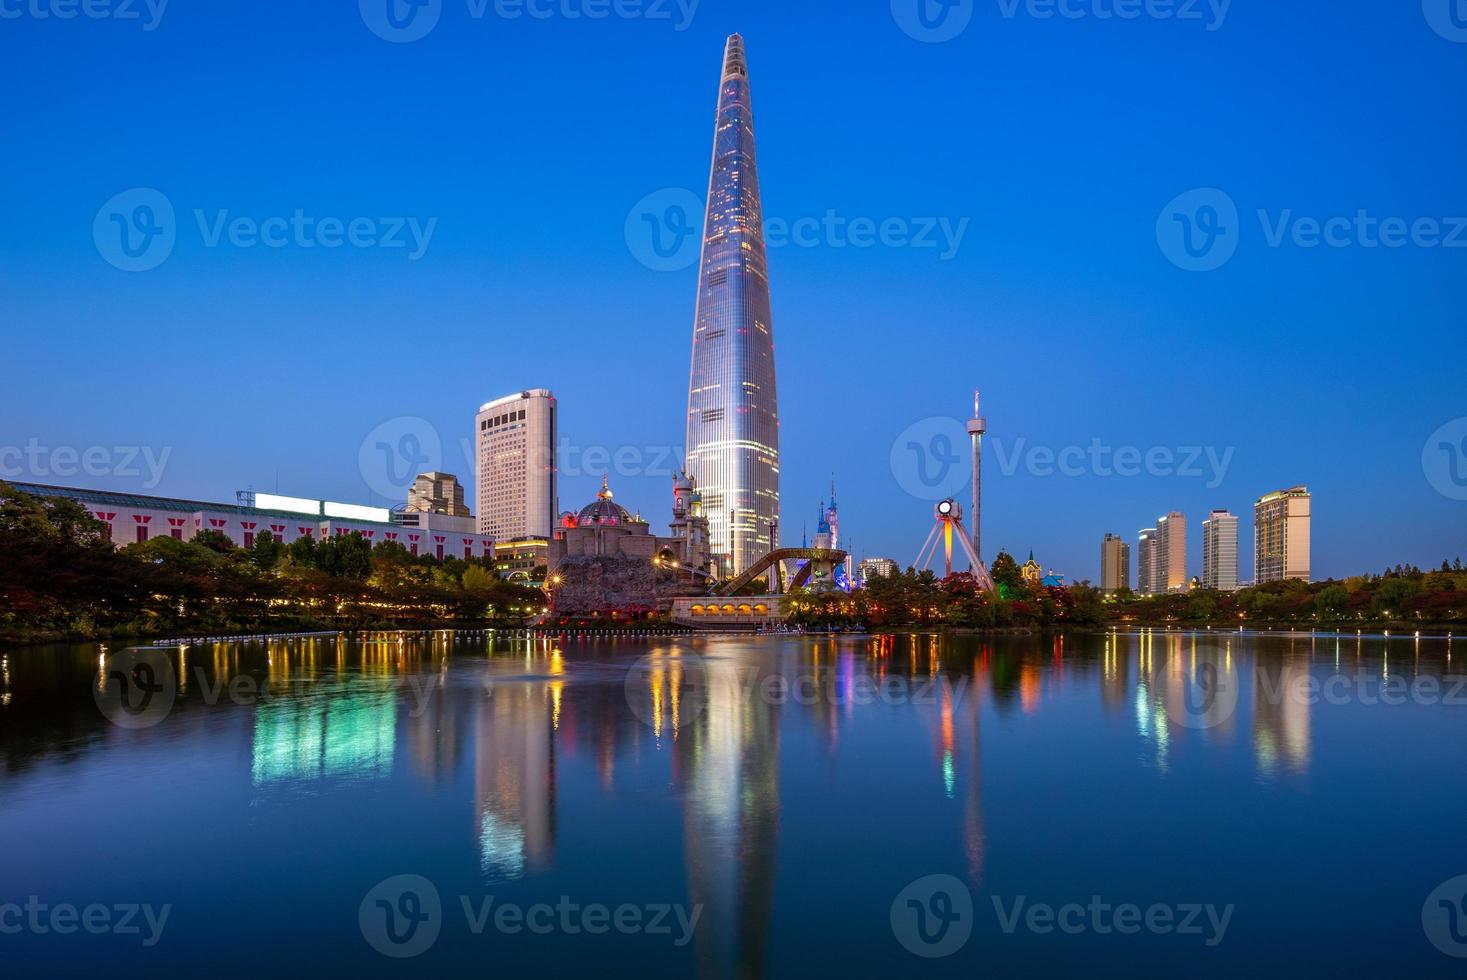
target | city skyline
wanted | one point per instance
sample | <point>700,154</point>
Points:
<point>1052,303</point>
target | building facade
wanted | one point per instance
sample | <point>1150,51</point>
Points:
<point>517,486</point>
<point>1281,535</point>
<point>733,413</point>
<point>1146,562</point>
<point>1170,567</point>
<point>134,518</point>
<point>1220,551</point>
<point>876,568</point>
<point>438,493</point>
<point>1115,565</point>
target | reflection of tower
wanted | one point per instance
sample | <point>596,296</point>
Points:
<point>514,780</point>
<point>1281,714</point>
<point>731,762</point>
<point>977,426</point>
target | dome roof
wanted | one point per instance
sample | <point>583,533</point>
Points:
<point>603,510</point>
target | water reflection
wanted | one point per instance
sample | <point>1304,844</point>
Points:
<point>717,735</point>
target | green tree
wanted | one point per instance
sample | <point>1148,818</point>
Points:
<point>214,541</point>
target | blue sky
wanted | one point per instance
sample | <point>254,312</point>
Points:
<point>525,143</point>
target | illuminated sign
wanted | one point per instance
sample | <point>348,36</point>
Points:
<point>353,512</point>
<point>293,505</point>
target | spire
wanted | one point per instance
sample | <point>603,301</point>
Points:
<point>734,62</point>
<point>605,492</point>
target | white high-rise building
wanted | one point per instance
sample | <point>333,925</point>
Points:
<point>1169,570</point>
<point>1220,551</point>
<point>1281,535</point>
<point>1115,565</point>
<point>1146,562</point>
<point>516,488</point>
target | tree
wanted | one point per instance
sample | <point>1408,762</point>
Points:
<point>214,541</point>
<point>1332,602</point>
<point>267,552</point>
<point>1006,575</point>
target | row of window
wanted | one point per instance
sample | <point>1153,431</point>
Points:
<point>499,420</point>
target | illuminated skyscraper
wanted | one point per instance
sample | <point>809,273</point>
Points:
<point>1146,562</point>
<point>1220,552</point>
<point>1281,535</point>
<point>1115,565</point>
<point>733,414</point>
<point>1169,567</point>
<point>516,487</point>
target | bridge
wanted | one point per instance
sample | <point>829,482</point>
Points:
<point>814,559</point>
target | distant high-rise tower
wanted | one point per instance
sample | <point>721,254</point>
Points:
<point>1115,565</point>
<point>1281,535</point>
<point>1146,561</point>
<point>733,412</point>
<point>1169,570</point>
<point>516,490</point>
<point>977,426</point>
<point>1220,551</point>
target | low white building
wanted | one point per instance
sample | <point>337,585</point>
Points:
<point>132,518</point>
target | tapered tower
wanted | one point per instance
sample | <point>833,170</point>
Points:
<point>733,412</point>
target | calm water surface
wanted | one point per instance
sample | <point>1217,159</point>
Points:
<point>787,797</point>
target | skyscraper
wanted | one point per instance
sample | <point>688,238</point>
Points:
<point>1115,565</point>
<point>1146,562</point>
<point>733,413</point>
<point>1170,567</point>
<point>1220,551</point>
<point>516,488</point>
<point>1281,535</point>
<point>437,493</point>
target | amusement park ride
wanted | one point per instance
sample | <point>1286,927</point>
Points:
<point>948,515</point>
<point>949,525</point>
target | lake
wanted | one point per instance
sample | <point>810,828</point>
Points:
<point>741,806</point>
